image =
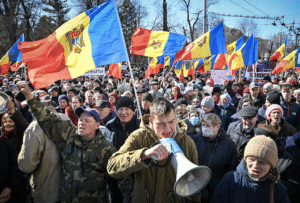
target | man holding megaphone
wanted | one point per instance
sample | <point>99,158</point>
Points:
<point>154,182</point>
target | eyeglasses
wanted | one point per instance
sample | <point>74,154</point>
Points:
<point>195,102</point>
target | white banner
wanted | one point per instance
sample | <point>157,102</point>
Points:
<point>258,75</point>
<point>219,75</point>
<point>95,72</point>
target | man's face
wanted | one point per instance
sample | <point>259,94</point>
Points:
<point>90,96</point>
<point>235,88</point>
<point>75,103</point>
<point>146,104</point>
<point>140,96</point>
<point>223,101</point>
<point>90,86</point>
<point>71,95</point>
<point>63,103</point>
<point>276,115</point>
<point>96,84</point>
<point>257,167</point>
<point>165,83</point>
<point>249,123</point>
<point>297,95</point>
<point>190,93</point>
<point>103,112</point>
<point>54,93</point>
<point>254,92</point>
<point>87,126</point>
<point>287,93</point>
<point>206,109</point>
<point>182,108</point>
<point>154,87</point>
<point>125,114</point>
<point>164,126</point>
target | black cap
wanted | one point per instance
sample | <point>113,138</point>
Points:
<point>147,96</point>
<point>273,97</point>
<point>9,93</point>
<point>268,78</point>
<point>140,90</point>
<point>248,112</point>
<point>125,102</point>
<point>103,104</point>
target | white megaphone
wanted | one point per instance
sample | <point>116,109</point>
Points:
<point>190,178</point>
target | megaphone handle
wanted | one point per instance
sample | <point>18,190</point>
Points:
<point>156,162</point>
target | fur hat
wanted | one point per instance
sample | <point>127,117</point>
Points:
<point>262,147</point>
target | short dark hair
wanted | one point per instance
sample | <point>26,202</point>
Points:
<point>212,118</point>
<point>79,99</point>
<point>161,106</point>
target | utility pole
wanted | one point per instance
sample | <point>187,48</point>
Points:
<point>165,23</point>
<point>204,18</point>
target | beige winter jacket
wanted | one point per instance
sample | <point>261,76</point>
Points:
<point>39,156</point>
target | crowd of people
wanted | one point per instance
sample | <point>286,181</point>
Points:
<point>90,139</point>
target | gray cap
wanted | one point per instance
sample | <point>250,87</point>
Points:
<point>208,101</point>
<point>248,112</point>
<point>253,85</point>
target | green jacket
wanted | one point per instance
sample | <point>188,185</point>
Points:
<point>84,175</point>
<point>151,183</point>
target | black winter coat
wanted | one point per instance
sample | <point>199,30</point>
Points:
<point>225,114</point>
<point>220,155</point>
<point>238,135</point>
<point>259,102</point>
<point>237,186</point>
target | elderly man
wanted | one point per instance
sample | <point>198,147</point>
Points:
<point>154,89</point>
<point>254,95</point>
<point>153,184</point>
<point>83,150</point>
<point>242,131</point>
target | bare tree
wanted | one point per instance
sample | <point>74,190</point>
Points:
<point>248,27</point>
<point>192,18</point>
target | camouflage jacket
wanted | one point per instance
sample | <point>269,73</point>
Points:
<point>84,175</point>
<point>151,183</point>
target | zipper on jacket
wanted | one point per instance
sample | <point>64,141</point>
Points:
<point>147,195</point>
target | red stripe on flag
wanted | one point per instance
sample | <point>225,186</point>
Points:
<point>201,69</point>
<point>4,68</point>
<point>45,60</point>
<point>115,70</point>
<point>185,53</point>
<point>220,62</point>
<point>16,66</point>
<point>279,67</point>
<point>139,41</point>
<point>275,56</point>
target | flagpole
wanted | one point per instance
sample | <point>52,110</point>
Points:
<point>128,61</point>
<point>253,78</point>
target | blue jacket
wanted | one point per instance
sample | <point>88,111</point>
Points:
<point>225,114</point>
<point>219,154</point>
<point>110,116</point>
<point>291,113</point>
<point>237,186</point>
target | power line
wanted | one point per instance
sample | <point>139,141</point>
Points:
<point>242,7</point>
<point>256,8</point>
<point>255,17</point>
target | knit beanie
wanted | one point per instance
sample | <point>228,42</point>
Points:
<point>273,97</point>
<point>262,147</point>
<point>63,96</point>
<point>272,108</point>
<point>147,96</point>
<point>125,102</point>
<point>180,101</point>
<point>208,102</point>
<point>268,87</point>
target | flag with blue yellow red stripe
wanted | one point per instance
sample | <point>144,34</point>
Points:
<point>155,43</point>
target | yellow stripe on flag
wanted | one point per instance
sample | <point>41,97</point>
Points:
<point>5,59</point>
<point>167,60</point>
<point>291,61</point>
<point>78,61</point>
<point>201,47</point>
<point>157,42</point>
<point>237,61</point>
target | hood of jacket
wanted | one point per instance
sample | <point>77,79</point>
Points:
<point>180,131</point>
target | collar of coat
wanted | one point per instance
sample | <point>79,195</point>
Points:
<point>180,131</point>
<point>99,136</point>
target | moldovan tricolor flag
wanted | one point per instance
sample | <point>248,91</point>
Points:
<point>244,56</point>
<point>189,68</point>
<point>234,46</point>
<point>291,61</point>
<point>92,39</point>
<point>155,43</point>
<point>115,70</point>
<point>154,66</point>
<point>280,52</point>
<point>12,55</point>
<point>211,43</point>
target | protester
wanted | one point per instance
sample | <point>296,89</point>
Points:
<point>227,110</point>
<point>216,151</point>
<point>105,111</point>
<point>194,122</point>
<point>134,157</point>
<point>83,150</point>
<point>255,178</point>
<point>145,105</point>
